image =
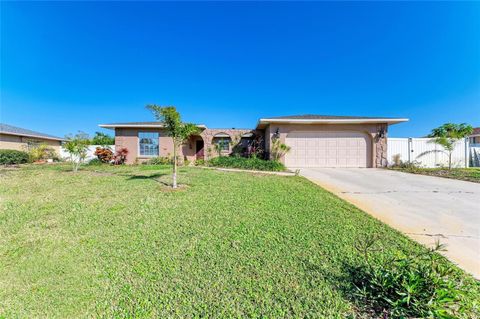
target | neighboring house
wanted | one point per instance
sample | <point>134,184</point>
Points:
<point>474,138</point>
<point>16,138</point>
<point>315,140</point>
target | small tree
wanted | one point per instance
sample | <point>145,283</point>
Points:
<point>175,128</point>
<point>77,147</point>
<point>447,136</point>
<point>279,149</point>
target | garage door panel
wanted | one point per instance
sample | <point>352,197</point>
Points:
<point>342,153</point>
<point>331,142</point>
<point>328,149</point>
<point>301,143</point>
<point>311,142</point>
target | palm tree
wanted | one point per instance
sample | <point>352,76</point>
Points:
<point>447,136</point>
<point>179,131</point>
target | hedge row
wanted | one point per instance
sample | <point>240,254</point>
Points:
<point>10,157</point>
<point>246,163</point>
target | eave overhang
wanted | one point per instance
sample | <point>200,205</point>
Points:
<point>262,123</point>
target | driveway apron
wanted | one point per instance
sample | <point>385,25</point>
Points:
<point>425,208</point>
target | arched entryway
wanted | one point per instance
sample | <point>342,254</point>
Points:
<point>199,147</point>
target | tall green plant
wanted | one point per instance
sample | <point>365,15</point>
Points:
<point>218,149</point>
<point>447,136</point>
<point>41,152</point>
<point>77,147</point>
<point>179,131</point>
<point>279,149</point>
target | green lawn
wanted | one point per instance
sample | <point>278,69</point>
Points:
<point>116,242</point>
<point>471,174</point>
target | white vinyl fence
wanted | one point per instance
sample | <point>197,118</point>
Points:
<point>91,149</point>
<point>428,154</point>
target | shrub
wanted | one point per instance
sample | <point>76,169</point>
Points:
<point>397,160</point>
<point>410,165</point>
<point>41,152</point>
<point>159,161</point>
<point>95,162</point>
<point>9,157</point>
<point>120,156</point>
<point>199,162</point>
<point>278,149</point>
<point>252,163</point>
<point>104,154</point>
<point>401,285</point>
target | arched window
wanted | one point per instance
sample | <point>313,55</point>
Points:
<point>223,141</point>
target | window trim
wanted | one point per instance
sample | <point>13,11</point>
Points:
<point>138,144</point>
<point>227,139</point>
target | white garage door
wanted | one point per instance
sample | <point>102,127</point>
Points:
<point>328,149</point>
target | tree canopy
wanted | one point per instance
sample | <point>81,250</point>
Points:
<point>102,139</point>
<point>452,130</point>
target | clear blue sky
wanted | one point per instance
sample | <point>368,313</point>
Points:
<point>70,66</point>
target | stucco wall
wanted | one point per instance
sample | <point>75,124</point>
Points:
<point>378,156</point>
<point>209,134</point>
<point>128,137</point>
<point>19,143</point>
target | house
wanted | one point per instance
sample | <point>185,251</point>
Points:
<point>315,140</point>
<point>474,138</point>
<point>16,138</point>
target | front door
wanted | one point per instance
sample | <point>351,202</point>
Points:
<point>199,149</point>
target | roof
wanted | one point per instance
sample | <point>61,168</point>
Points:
<point>327,119</point>
<point>316,117</point>
<point>13,130</point>
<point>138,124</point>
<point>476,131</point>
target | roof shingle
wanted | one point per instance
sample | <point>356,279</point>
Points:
<point>13,130</point>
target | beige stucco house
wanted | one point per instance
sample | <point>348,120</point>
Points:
<point>20,139</point>
<point>315,140</point>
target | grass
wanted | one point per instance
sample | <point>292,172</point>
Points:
<point>117,242</point>
<point>471,174</point>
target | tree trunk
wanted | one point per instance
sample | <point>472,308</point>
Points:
<point>174,184</point>
<point>450,160</point>
<point>74,165</point>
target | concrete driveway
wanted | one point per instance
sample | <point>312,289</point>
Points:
<point>425,208</point>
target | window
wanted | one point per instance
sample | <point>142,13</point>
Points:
<point>223,143</point>
<point>148,143</point>
<point>32,144</point>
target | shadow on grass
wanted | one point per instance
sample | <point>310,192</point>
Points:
<point>144,177</point>
<point>345,279</point>
<point>156,178</point>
